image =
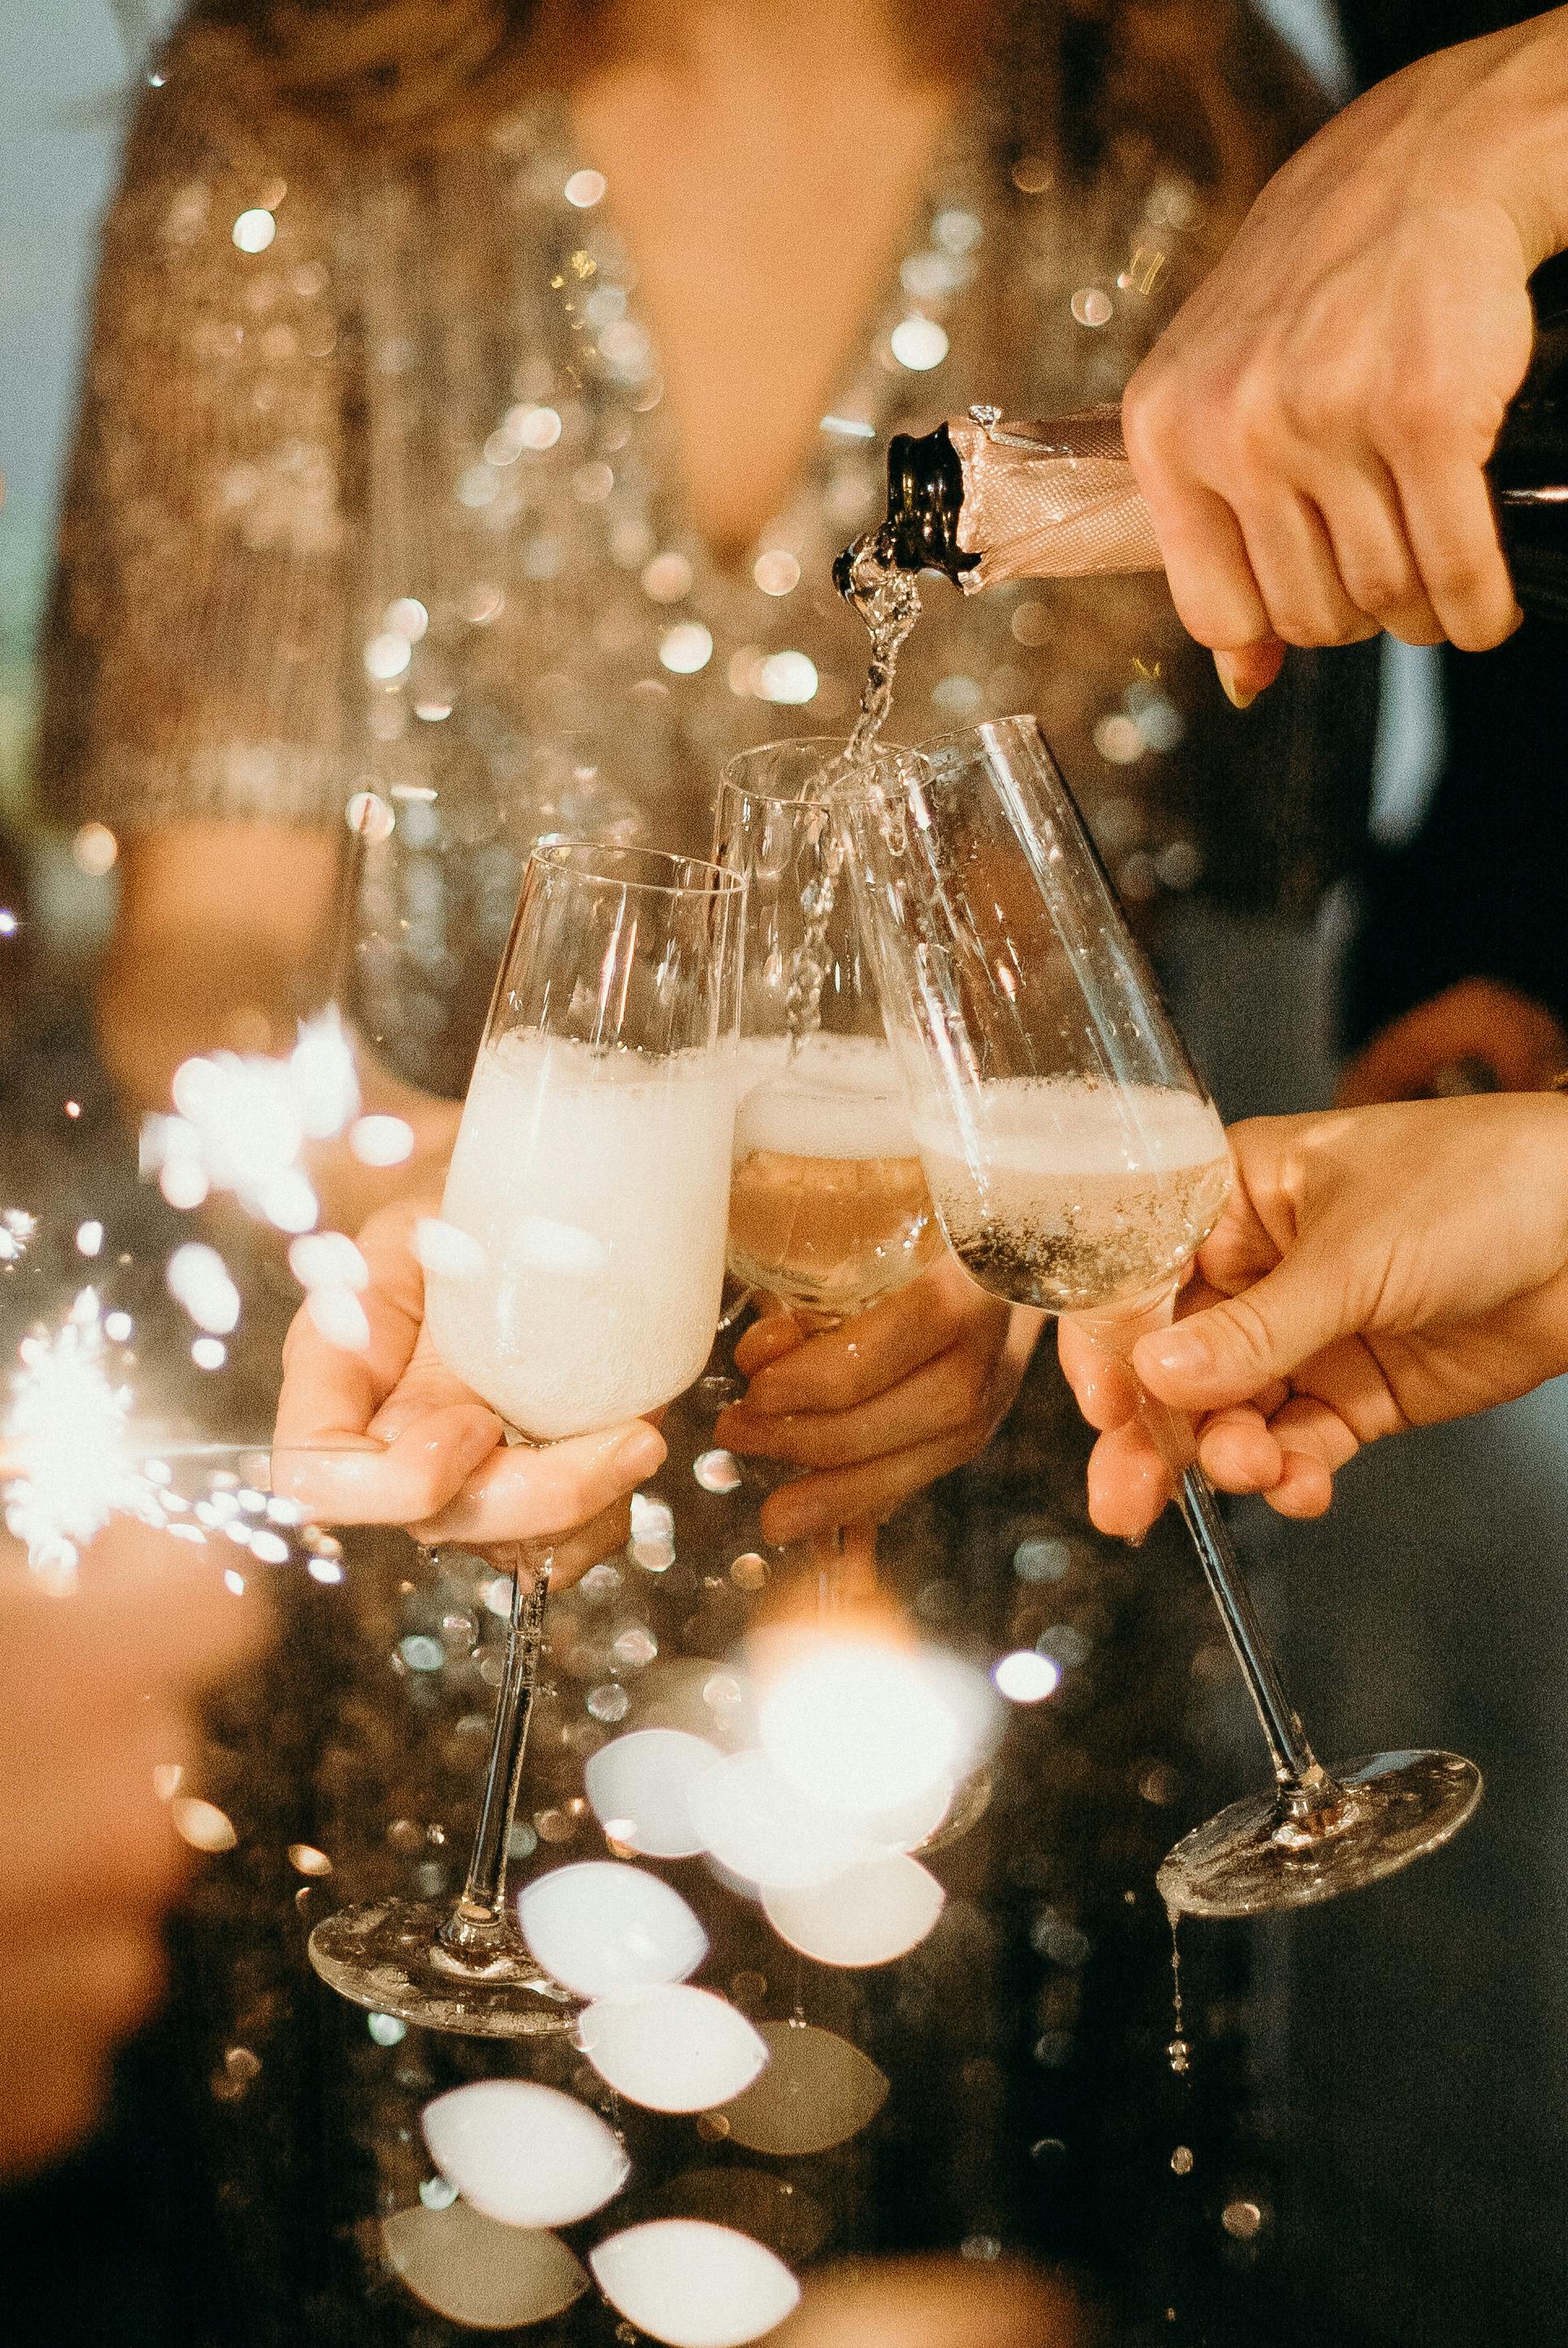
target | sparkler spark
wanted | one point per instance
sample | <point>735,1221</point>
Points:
<point>243,1122</point>
<point>67,1436</point>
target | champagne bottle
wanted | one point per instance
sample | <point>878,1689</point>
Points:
<point>986,501</point>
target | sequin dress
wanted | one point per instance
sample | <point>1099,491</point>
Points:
<point>372,492</point>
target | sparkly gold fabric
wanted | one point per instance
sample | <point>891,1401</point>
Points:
<point>373,489</point>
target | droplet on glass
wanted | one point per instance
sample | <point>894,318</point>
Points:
<point>717,1471</point>
<point>776,571</point>
<point>1182,2160</point>
<point>686,648</point>
<point>202,1825</point>
<point>918,343</point>
<point>1092,305</point>
<point>609,1702</point>
<point>523,2154</point>
<point>386,2029</point>
<point>1026,1677</point>
<point>817,2091</point>
<point>94,850</point>
<point>762,1828</point>
<point>877,1911</point>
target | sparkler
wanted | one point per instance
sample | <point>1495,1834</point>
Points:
<point>68,1435</point>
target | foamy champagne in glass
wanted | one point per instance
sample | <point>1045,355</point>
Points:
<point>576,1280</point>
<point>572,1278</point>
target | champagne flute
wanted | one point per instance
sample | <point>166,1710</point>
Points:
<point>828,1205</point>
<point>573,1280</point>
<point>1077,1164</point>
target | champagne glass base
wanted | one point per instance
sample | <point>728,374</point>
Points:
<point>390,1957</point>
<point>1252,1858</point>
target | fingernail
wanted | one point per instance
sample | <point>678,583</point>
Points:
<point>479,1440</point>
<point>1185,1353</point>
<point>642,1451</point>
<point>1235,694</point>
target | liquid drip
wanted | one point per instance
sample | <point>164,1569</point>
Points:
<point>888,600</point>
<point>1179,2053</point>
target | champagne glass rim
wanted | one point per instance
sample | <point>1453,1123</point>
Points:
<point>830,748</point>
<point>637,871</point>
<point>887,756</point>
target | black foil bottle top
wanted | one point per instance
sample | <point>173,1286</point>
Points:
<point>925,492</point>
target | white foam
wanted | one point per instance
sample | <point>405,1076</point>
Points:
<point>840,1097</point>
<point>1058,1125</point>
<point>593,1189</point>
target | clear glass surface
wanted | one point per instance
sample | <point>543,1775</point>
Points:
<point>1077,1164</point>
<point>575,1282</point>
<point>828,1203</point>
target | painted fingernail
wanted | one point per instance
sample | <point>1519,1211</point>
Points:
<point>1237,695</point>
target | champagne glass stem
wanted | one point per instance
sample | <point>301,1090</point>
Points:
<point>479,1915</point>
<point>1306,1790</point>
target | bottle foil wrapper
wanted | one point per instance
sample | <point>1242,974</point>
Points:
<point>1052,500</point>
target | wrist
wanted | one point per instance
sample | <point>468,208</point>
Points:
<point>1520,130</point>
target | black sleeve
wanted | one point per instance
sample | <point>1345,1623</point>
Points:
<point>1381,36</point>
<point>1483,890</point>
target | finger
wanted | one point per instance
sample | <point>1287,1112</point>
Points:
<point>867,1493</point>
<point>539,1493</point>
<point>569,1557</point>
<point>1293,562</point>
<point>1361,511</point>
<point>1104,1386</point>
<point>946,1396</point>
<point>1453,532</point>
<point>1239,1452</point>
<point>348,1479</point>
<point>1234,1351</point>
<point>875,1350</point>
<point>777,1332</point>
<point>1129,1483</point>
<point>1216,596</point>
<point>1305,1488</point>
<point>1248,670</point>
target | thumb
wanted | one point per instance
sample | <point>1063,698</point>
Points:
<point>1230,1351</point>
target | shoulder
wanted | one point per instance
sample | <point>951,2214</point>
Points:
<point>210,121</point>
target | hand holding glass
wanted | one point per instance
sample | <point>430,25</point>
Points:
<point>572,1281</point>
<point>1077,1164</point>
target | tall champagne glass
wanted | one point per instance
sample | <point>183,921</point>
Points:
<point>828,1204</point>
<point>1077,1164</point>
<point>573,1280</point>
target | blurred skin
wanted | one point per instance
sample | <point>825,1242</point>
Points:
<point>1479,1019</point>
<point>935,2303</point>
<point>1373,1270</point>
<point>1311,429</point>
<point>96,1687</point>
